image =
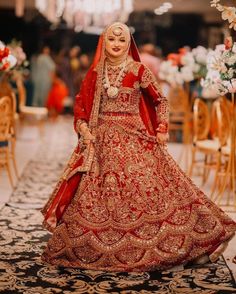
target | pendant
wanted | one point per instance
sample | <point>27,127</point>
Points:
<point>112,92</point>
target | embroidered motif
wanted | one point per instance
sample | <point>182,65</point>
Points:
<point>134,67</point>
<point>127,101</point>
<point>148,78</point>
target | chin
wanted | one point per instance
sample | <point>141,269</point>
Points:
<point>115,54</point>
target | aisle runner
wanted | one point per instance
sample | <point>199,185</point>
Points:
<point>22,240</point>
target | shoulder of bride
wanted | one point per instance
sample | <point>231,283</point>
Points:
<point>134,66</point>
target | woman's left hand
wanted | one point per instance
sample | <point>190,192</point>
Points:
<point>162,138</point>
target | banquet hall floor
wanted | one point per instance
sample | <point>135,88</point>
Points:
<point>28,143</point>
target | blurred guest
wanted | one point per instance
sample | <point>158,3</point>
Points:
<point>43,68</point>
<point>57,96</point>
<point>150,56</point>
<point>84,66</point>
<point>68,67</point>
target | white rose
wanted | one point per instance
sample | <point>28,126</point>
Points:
<point>187,59</point>
<point>187,74</point>
<point>12,60</point>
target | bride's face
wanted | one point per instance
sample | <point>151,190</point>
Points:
<point>116,42</point>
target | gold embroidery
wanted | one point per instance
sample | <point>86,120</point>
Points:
<point>147,79</point>
<point>140,211</point>
<point>134,67</point>
<point>127,101</point>
<point>97,95</point>
<point>149,83</point>
<point>136,85</point>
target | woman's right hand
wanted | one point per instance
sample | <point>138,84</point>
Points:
<point>85,133</point>
<point>88,137</point>
<point>83,128</point>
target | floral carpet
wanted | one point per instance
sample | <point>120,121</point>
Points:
<point>22,240</point>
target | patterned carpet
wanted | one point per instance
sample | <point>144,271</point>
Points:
<point>22,240</point>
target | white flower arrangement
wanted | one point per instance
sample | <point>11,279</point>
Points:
<point>221,68</point>
<point>17,51</point>
<point>185,66</point>
<point>227,13</point>
<point>200,59</point>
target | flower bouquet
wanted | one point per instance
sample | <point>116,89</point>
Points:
<point>185,66</point>
<point>227,13</point>
<point>12,65</point>
<point>221,68</point>
<point>18,52</point>
<point>7,59</point>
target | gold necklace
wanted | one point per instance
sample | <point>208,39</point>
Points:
<point>112,91</point>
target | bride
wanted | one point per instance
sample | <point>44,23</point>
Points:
<point>122,203</point>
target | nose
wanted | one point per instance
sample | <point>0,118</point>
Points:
<point>116,43</point>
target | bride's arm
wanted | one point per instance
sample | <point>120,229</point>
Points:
<point>80,115</point>
<point>81,121</point>
<point>151,89</point>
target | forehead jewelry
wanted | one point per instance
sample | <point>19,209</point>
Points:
<point>118,29</point>
<point>117,32</point>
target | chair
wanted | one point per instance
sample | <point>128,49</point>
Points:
<point>221,119</point>
<point>6,111</point>
<point>210,148</point>
<point>7,90</point>
<point>179,119</point>
<point>14,116</point>
<point>36,115</point>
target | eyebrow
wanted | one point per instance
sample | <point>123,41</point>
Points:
<point>114,36</point>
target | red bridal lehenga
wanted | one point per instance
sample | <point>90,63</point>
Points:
<point>134,209</point>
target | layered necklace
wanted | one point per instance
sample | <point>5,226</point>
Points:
<point>113,91</point>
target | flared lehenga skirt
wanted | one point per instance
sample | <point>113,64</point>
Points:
<point>135,210</point>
